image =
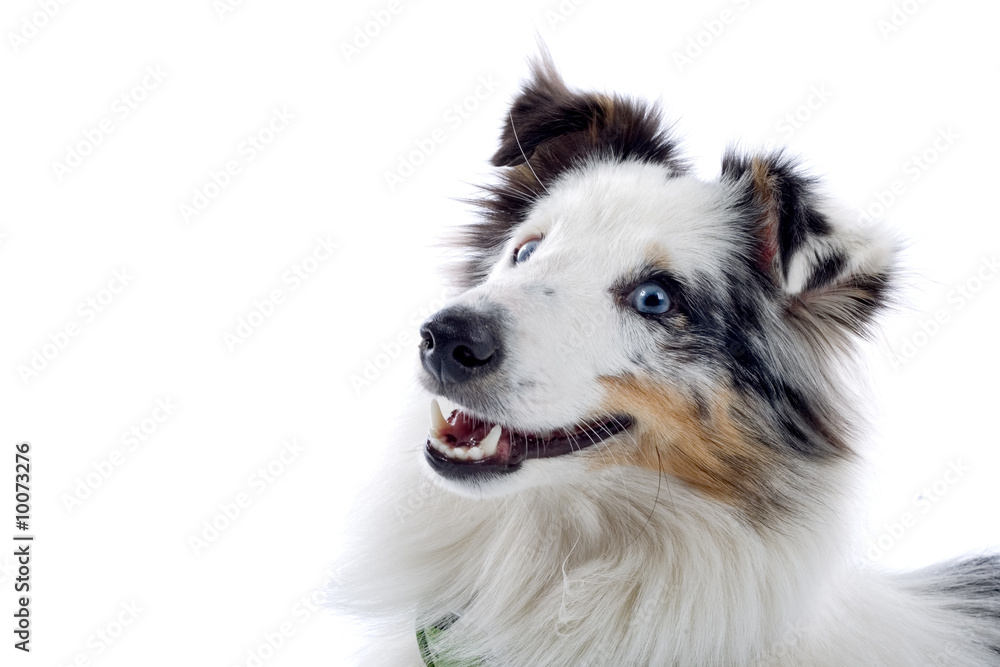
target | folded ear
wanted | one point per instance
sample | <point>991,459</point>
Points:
<point>562,126</point>
<point>831,273</point>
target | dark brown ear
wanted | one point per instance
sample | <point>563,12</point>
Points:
<point>833,273</point>
<point>549,130</point>
<point>564,126</point>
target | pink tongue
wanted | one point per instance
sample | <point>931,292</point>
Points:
<point>467,431</point>
<point>463,430</point>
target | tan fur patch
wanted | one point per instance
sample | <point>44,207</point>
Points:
<point>606,105</point>
<point>658,256</point>
<point>763,185</point>
<point>701,447</point>
<point>761,174</point>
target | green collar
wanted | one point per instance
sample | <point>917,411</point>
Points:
<point>427,637</point>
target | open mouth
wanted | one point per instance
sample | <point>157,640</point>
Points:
<point>462,445</point>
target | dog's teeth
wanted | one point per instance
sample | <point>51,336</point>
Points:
<point>438,422</point>
<point>488,445</point>
<point>440,446</point>
<point>485,448</point>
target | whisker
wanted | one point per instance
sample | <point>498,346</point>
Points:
<point>621,466</point>
<point>514,130</point>
<point>659,480</point>
<point>527,196</point>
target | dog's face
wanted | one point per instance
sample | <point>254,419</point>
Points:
<point>620,313</point>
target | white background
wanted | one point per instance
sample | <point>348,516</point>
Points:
<point>886,93</point>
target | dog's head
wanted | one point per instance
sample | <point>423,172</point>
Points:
<point>620,312</point>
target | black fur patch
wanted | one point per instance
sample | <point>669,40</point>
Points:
<point>827,271</point>
<point>976,581</point>
<point>720,324</point>
<point>783,199</point>
<point>549,131</point>
<point>970,587</point>
<point>780,205</point>
<point>727,327</point>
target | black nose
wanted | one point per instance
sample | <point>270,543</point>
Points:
<point>459,344</point>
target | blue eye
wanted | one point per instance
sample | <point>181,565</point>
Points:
<point>650,299</point>
<point>524,250</point>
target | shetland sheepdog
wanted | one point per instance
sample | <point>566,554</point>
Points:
<point>641,448</point>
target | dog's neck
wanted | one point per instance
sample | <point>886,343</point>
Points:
<point>610,572</point>
<point>620,562</point>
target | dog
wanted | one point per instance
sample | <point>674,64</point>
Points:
<point>642,446</point>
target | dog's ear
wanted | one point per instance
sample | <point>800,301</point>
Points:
<point>544,110</point>
<point>560,126</point>
<point>548,131</point>
<point>830,273</point>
